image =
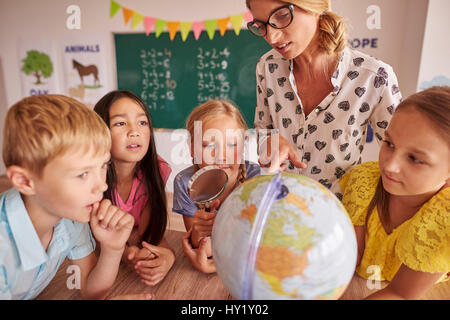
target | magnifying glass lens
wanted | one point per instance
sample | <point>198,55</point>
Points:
<point>206,185</point>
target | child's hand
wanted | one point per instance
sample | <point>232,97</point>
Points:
<point>134,238</point>
<point>199,257</point>
<point>202,224</point>
<point>110,225</point>
<point>152,271</point>
<point>134,254</point>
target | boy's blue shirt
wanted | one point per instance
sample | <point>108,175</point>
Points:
<point>25,267</point>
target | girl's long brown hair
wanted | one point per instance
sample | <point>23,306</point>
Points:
<point>434,104</point>
<point>149,166</point>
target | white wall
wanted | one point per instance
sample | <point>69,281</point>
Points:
<point>399,44</point>
<point>28,19</point>
<point>47,18</point>
<point>3,109</point>
<point>435,62</point>
<point>399,38</point>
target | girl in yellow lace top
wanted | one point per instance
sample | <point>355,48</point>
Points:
<point>400,205</point>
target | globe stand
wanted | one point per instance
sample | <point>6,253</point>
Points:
<point>275,191</point>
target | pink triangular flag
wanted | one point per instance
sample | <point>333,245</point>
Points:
<point>197,28</point>
<point>149,23</point>
<point>248,16</point>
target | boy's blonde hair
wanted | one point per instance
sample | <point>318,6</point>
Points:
<point>332,27</point>
<point>213,109</point>
<point>40,128</point>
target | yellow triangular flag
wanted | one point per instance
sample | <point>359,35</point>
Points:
<point>173,28</point>
<point>236,22</point>
<point>137,20</point>
<point>127,14</point>
<point>223,25</point>
<point>185,28</point>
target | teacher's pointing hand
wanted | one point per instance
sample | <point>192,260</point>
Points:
<point>279,157</point>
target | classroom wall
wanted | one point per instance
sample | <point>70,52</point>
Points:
<point>3,109</point>
<point>435,60</point>
<point>398,41</point>
<point>400,36</point>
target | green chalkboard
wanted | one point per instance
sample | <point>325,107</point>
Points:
<point>173,77</point>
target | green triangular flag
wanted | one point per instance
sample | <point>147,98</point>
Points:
<point>210,26</point>
<point>185,27</point>
<point>160,24</point>
<point>136,20</point>
<point>114,8</point>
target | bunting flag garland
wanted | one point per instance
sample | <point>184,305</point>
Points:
<point>114,8</point>
<point>149,23</point>
<point>210,26</point>
<point>160,24</point>
<point>248,16</point>
<point>197,28</point>
<point>136,20</point>
<point>236,22</point>
<point>127,14</point>
<point>173,28</point>
<point>223,25</point>
<point>184,27</point>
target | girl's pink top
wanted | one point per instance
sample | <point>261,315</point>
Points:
<point>138,195</point>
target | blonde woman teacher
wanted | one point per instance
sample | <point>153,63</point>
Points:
<point>319,94</point>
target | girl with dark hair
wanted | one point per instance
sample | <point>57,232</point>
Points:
<point>136,180</point>
<point>399,205</point>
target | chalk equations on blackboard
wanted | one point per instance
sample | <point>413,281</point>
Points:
<point>173,77</point>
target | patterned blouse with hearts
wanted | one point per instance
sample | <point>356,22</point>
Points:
<point>331,139</point>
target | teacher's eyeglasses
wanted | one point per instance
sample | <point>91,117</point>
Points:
<point>279,19</point>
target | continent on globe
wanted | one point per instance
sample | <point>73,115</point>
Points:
<point>307,248</point>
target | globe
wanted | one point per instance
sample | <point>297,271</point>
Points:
<point>283,236</point>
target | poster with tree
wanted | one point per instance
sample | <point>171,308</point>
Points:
<point>37,61</point>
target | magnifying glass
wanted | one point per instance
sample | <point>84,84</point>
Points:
<point>207,185</point>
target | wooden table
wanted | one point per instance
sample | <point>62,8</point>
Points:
<point>183,282</point>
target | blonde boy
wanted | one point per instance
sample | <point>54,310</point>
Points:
<point>56,151</point>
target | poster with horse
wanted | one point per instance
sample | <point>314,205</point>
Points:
<point>85,69</point>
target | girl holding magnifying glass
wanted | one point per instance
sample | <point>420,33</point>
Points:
<point>220,142</point>
<point>317,93</point>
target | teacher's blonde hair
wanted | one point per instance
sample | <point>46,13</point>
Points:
<point>332,27</point>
